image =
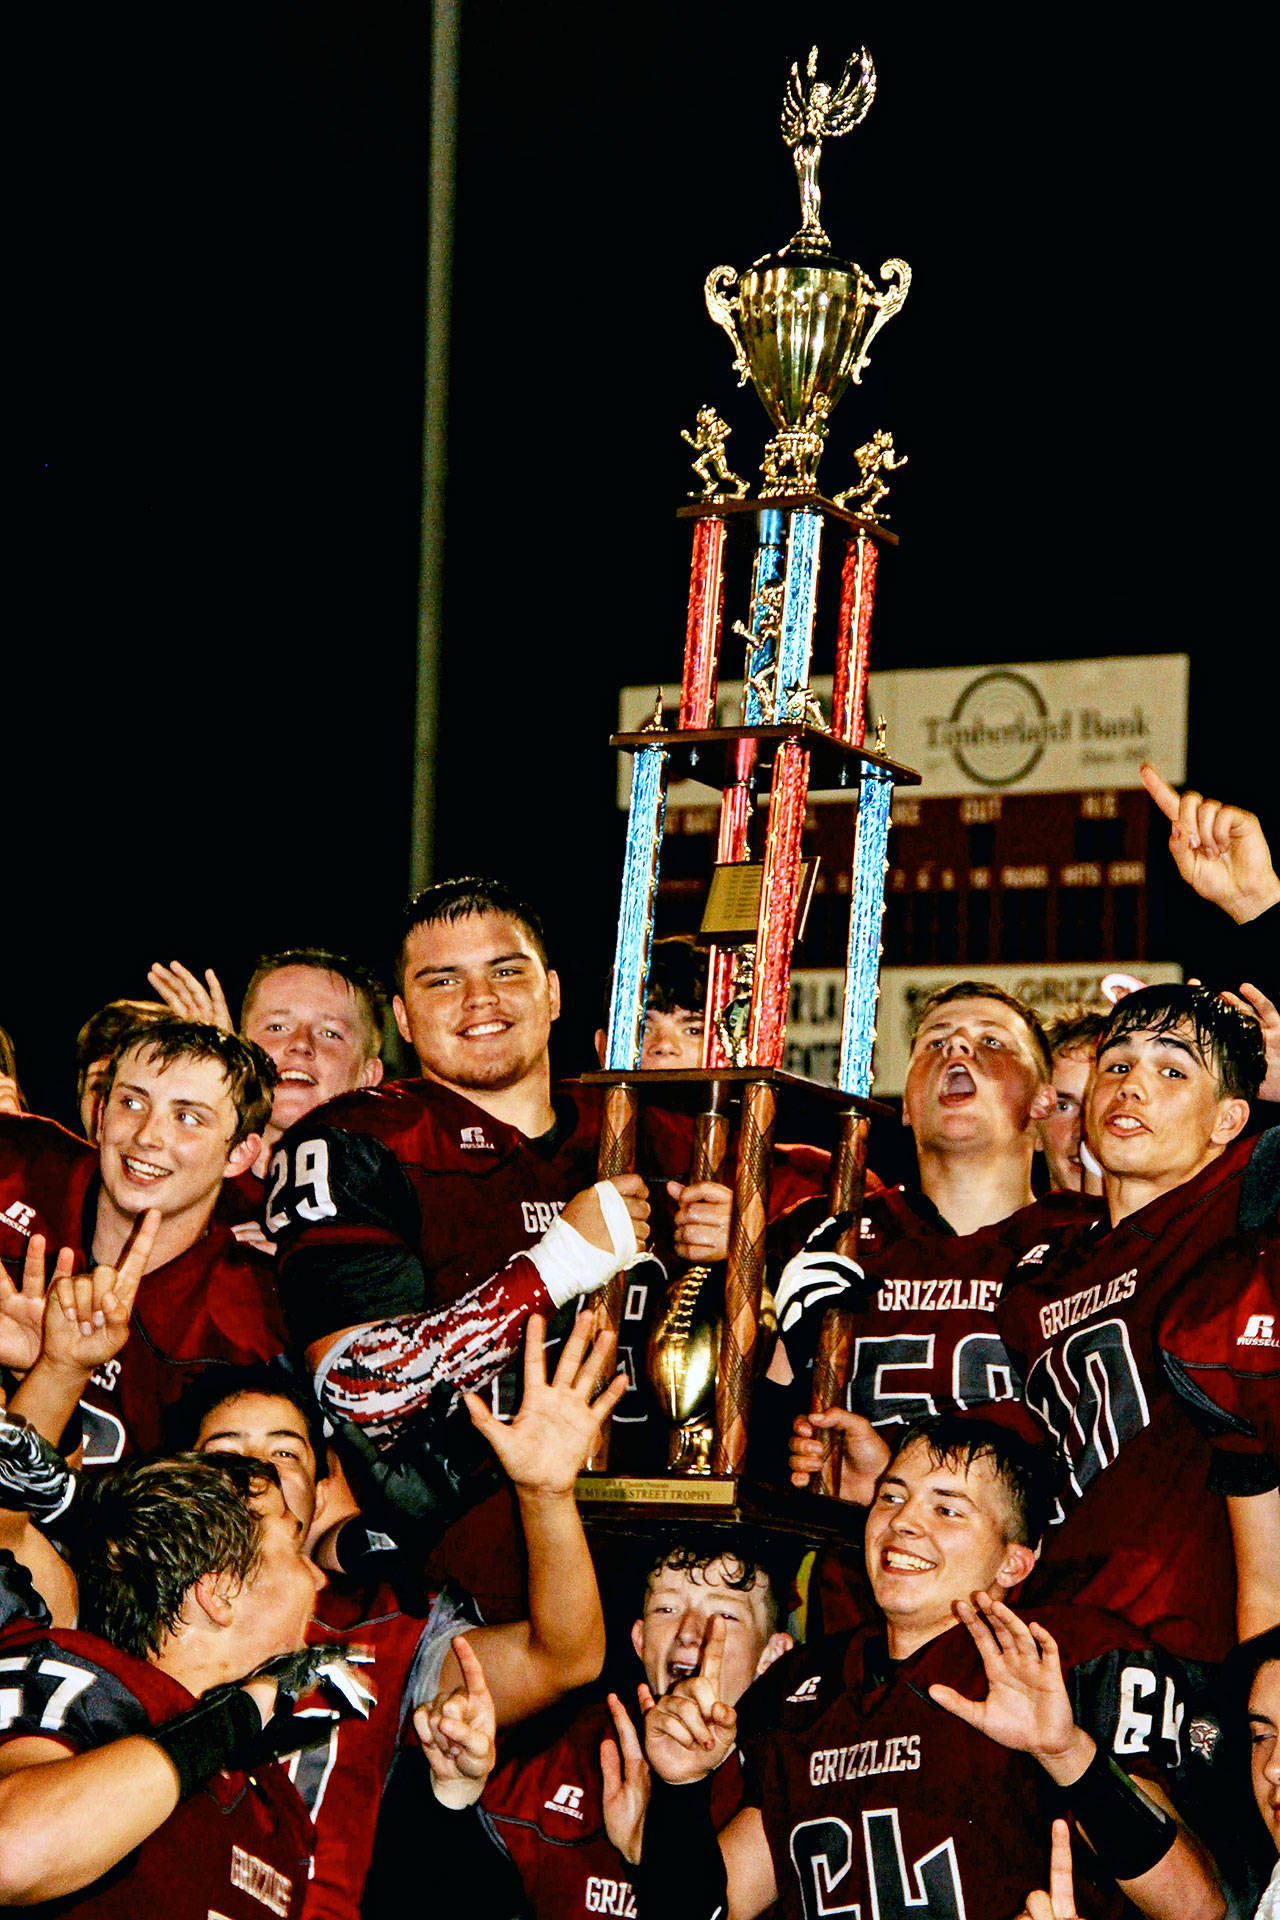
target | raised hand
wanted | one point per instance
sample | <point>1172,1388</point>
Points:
<point>1028,1707</point>
<point>22,1309</point>
<point>190,998</point>
<point>692,1728</point>
<point>1251,999</point>
<point>864,1455</point>
<point>1220,851</point>
<point>626,1784</point>
<point>87,1319</point>
<point>457,1733</point>
<point>1059,1903</point>
<point>703,1215</point>
<point>558,1426</point>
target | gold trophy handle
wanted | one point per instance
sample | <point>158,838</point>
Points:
<point>889,302</point>
<point>717,283</point>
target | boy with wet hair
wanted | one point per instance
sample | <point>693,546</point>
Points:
<point>1166,1112</point>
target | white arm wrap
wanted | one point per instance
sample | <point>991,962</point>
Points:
<point>570,1265</point>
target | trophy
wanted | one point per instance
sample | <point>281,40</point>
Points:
<point>801,322</point>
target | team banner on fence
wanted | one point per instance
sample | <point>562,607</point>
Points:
<point>813,1021</point>
<point>1044,726</point>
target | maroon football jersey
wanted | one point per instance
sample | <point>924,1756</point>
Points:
<point>238,1846</point>
<point>1140,1533</point>
<point>548,1812</point>
<point>216,1301</point>
<point>877,1801</point>
<point>48,1185</point>
<point>1220,1344</point>
<point>342,1768</point>
<point>408,1195</point>
<point>925,1337</point>
<point>242,1199</point>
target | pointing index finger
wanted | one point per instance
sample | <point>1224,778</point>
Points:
<point>1160,790</point>
<point>1062,1890</point>
<point>712,1661</point>
<point>472,1671</point>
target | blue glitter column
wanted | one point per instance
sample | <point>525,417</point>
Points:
<point>796,641</point>
<point>770,566</point>
<point>635,916</point>
<point>866,895</point>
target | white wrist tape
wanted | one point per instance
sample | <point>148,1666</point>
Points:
<point>570,1265</point>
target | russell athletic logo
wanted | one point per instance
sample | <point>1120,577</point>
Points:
<point>1259,1331</point>
<point>19,1217</point>
<point>805,1691</point>
<point>475,1140</point>
<point>566,1799</point>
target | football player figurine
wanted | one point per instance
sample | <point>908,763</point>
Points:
<point>909,1762</point>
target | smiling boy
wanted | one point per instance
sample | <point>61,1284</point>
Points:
<point>905,1765</point>
<point>184,1111</point>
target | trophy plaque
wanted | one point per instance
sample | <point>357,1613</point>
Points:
<point>801,323</point>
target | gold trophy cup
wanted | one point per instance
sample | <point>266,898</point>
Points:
<point>802,320</point>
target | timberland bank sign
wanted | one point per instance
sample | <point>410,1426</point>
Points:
<point>1042,726</point>
<point>1048,726</point>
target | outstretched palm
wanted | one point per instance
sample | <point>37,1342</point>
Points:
<point>558,1426</point>
<point>1028,1707</point>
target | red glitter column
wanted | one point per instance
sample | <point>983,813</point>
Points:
<point>853,647</point>
<point>702,630</point>
<point>777,927</point>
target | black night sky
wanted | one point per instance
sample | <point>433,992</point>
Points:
<point>209,676</point>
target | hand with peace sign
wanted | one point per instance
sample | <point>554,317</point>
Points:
<point>1059,1903</point>
<point>22,1308</point>
<point>692,1728</point>
<point>457,1733</point>
<point>1220,851</point>
<point>85,1322</point>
